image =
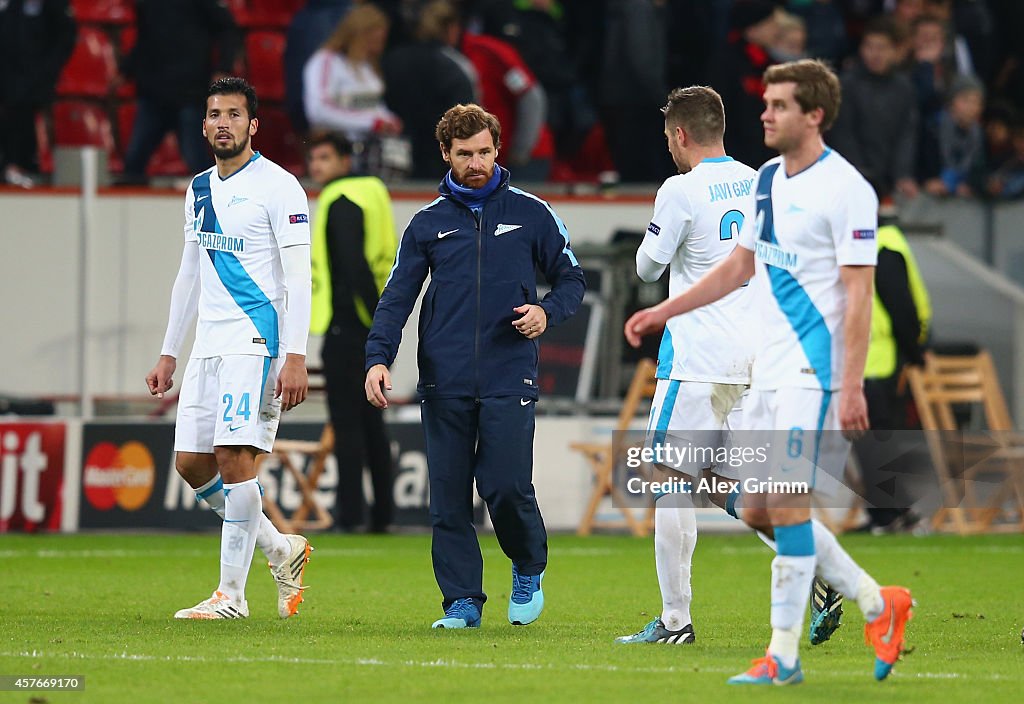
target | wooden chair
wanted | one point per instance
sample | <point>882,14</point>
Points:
<point>962,459</point>
<point>602,457</point>
<point>317,452</point>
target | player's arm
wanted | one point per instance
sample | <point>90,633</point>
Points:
<point>853,219</point>
<point>288,210</point>
<point>293,381</point>
<point>184,304</point>
<point>727,276</point>
<point>859,284</point>
<point>668,230</point>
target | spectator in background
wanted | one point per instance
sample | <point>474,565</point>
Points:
<point>877,125</point>
<point>542,44</point>
<point>309,29</point>
<point>933,72</point>
<point>172,67</point>
<point>999,121</point>
<point>354,246</point>
<point>1007,181</point>
<point>905,14</point>
<point>825,29</point>
<point>424,79</point>
<point>342,86</point>
<point>736,75</point>
<point>633,87</point>
<point>36,39</point>
<point>961,141</point>
<point>791,44</point>
<point>956,45</point>
<point>509,91</point>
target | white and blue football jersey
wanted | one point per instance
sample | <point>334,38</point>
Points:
<point>240,223</point>
<point>696,223</point>
<point>807,226</point>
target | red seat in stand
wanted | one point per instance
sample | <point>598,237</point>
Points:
<point>265,54</point>
<point>92,66</point>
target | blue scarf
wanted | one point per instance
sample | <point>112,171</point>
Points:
<point>473,198</point>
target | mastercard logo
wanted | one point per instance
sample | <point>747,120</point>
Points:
<point>118,476</point>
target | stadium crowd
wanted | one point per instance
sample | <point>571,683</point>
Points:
<point>933,89</point>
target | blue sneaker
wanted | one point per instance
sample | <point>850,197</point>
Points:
<point>655,632</point>
<point>826,611</point>
<point>527,600</point>
<point>768,670</point>
<point>462,613</point>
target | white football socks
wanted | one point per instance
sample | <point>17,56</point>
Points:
<point>269,539</point>
<point>675,537</point>
<point>242,511</point>
<point>792,574</point>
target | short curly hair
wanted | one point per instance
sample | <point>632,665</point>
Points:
<point>464,121</point>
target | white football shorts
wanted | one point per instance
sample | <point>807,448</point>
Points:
<point>691,422</point>
<point>802,428</point>
<point>228,400</point>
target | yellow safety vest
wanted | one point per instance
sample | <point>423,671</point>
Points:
<point>380,244</point>
<point>881,362</point>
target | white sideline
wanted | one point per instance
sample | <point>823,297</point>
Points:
<point>374,662</point>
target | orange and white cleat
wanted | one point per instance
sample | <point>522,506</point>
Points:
<point>288,576</point>
<point>218,606</point>
<point>885,633</point>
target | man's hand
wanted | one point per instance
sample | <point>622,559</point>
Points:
<point>293,382</point>
<point>534,321</point>
<point>644,322</point>
<point>853,413</point>
<point>159,380</point>
<point>378,378</point>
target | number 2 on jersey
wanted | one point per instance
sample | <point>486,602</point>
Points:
<point>732,223</point>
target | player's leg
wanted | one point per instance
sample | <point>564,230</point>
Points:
<point>450,436</point>
<point>741,442</point>
<point>504,475</point>
<point>792,569</point>
<point>886,609</point>
<point>684,416</point>
<point>197,464</point>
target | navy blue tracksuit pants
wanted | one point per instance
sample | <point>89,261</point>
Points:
<point>490,440</point>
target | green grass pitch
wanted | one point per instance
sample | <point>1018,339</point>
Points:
<point>101,606</point>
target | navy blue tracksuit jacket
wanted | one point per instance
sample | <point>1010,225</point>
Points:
<point>478,374</point>
<point>480,269</point>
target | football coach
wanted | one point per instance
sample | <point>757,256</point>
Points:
<point>481,242</point>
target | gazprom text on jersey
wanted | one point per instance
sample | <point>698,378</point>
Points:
<point>775,255</point>
<point>211,240</point>
<point>736,189</point>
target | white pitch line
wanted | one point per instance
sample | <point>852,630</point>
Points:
<point>440,662</point>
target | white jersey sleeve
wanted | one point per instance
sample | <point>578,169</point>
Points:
<point>669,225</point>
<point>288,211</point>
<point>853,219</point>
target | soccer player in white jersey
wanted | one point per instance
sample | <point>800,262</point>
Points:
<point>705,355</point>
<point>246,270</point>
<point>812,248</point>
